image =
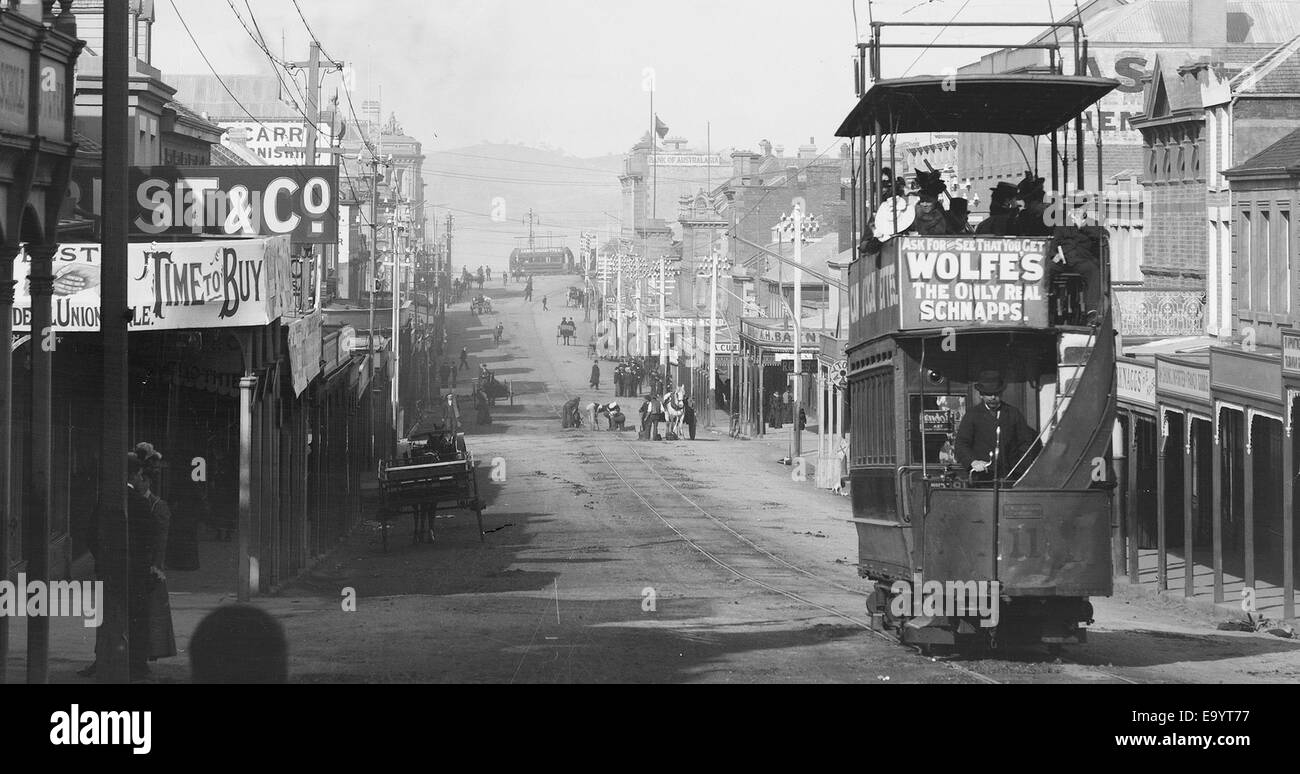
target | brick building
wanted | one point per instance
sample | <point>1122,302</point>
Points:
<point>1198,119</point>
<point>1265,192</point>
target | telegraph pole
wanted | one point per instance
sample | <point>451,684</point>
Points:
<point>396,338</point>
<point>112,648</point>
<point>312,65</point>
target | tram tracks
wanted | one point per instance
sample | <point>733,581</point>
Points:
<point>736,554</point>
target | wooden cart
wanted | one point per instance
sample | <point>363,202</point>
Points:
<point>433,471</point>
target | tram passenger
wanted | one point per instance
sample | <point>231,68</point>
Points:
<point>1074,249</point>
<point>1032,220</point>
<point>1004,208</point>
<point>931,218</point>
<point>993,436</point>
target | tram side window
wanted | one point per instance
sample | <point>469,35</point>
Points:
<point>872,438</point>
<point>932,430</point>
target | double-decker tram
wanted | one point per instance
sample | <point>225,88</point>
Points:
<point>982,374</point>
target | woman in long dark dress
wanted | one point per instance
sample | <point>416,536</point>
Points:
<point>162,638</point>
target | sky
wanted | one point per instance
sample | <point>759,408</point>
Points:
<point>573,74</point>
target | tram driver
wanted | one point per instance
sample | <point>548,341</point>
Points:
<point>993,435</point>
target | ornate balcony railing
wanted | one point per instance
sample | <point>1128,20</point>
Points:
<point>1159,313</point>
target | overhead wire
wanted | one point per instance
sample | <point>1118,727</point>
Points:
<point>208,62</point>
<point>937,35</point>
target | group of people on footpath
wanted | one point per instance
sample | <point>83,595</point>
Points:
<point>780,411</point>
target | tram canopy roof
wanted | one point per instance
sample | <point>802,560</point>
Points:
<point>1024,104</point>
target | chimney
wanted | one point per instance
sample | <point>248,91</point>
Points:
<point>808,151</point>
<point>766,148</point>
<point>1208,22</point>
<point>778,151</point>
<point>740,166</point>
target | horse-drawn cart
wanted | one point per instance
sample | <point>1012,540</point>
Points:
<point>432,471</point>
<point>495,389</point>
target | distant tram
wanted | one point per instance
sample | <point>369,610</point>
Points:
<point>542,260</point>
<point>937,321</point>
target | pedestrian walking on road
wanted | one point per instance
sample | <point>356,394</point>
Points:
<point>595,376</point>
<point>545,308</point>
<point>464,357</point>
<point>689,418</point>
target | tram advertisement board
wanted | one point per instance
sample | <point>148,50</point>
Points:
<point>170,286</point>
<point>968,282</point>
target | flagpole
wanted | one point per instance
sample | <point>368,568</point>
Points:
<point>654,161</point>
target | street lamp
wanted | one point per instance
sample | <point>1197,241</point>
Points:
<point>799,227</point>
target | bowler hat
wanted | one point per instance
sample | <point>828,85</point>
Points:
<point>990,383</point>
<point>1031,187</point>
<point>1005,191</point>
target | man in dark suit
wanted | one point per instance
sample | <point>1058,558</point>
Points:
<point>1003,212</point>
<point>993,435</point>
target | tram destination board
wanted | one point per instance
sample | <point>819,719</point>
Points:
<point>919,283</point>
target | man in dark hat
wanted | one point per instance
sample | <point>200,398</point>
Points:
<point>1003,210</point>
<point>993,435</point>
<point>1031,221</point>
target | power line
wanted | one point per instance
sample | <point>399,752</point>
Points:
<point>936,38</point>
<point>208,62</point>
<point>312,33</point>
<point>259,40</point>
<point>347,93</point>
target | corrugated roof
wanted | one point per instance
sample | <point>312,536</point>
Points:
<point>1277,72</point>
<point>86,146</point>
<point>259,94</point>
<point>1169,21</point>
<point>224,157</point>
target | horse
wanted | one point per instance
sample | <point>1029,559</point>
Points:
<point>675,410</point>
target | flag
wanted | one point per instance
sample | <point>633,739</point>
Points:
<point>661,128</point>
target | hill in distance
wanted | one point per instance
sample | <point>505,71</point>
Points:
<point>490,188</point>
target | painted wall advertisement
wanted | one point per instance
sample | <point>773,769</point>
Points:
<point>282,142</point>
<point>968,282</point>
<point>171,286</point>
